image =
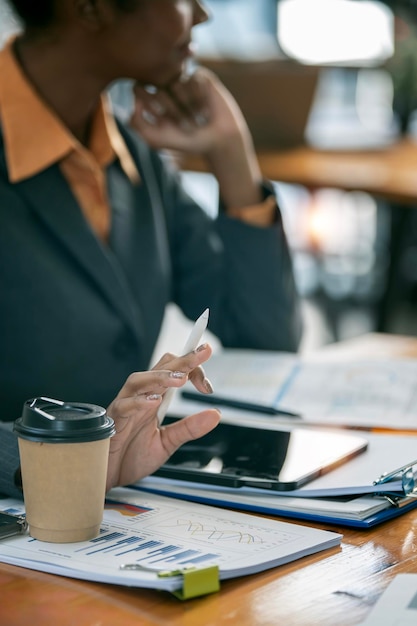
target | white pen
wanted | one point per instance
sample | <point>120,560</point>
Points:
<point>191,344</point>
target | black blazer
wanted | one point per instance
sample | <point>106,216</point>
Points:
<point>77,317</point>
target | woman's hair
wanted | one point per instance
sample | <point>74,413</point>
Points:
<point>34,14</point>
<point>41,13</point>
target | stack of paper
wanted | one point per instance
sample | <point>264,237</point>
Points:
<point>336,497</point>
<point>144,535</point>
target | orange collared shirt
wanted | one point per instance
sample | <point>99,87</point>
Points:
<point>35,138</point>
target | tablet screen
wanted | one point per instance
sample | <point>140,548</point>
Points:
<point>233,455</point>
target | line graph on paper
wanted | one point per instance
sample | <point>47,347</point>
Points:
<point>214,533</point>
<point>169,524</point>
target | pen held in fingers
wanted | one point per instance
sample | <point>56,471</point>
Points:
<point>191,344</point>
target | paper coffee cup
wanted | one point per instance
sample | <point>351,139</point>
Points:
<point>64,450</point>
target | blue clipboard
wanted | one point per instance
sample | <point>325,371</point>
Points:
<point>390,507</point>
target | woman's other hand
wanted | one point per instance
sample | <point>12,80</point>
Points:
<point>140,445</point>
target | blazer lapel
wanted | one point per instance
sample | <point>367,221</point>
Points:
<point>62,216</point>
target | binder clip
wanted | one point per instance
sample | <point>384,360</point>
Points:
<point>196,582</point>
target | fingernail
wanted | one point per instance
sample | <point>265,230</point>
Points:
<point>207,385</point>
<point>202,347</point>
<point>154,396</point>
<point>151,89</point>
<point>149,118</point>
<point>177,375</point>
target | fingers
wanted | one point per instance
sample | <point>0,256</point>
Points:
<point>188,429</point>
<point>196,375</point>
<point>191,97</point>
<point>170,371</point>
<point>200,381</point>
<point>123,409</point>
<point>183,103</point>
<point>187,362</point>
<point>157,105</point>
<point>145,385</point>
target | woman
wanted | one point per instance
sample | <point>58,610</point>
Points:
<point>96,233</point>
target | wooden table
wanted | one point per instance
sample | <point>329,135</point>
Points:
<point>332,588</point>
<point>390,173</point>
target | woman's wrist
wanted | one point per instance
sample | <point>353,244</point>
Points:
<point>234,164</point>
<point>262,214</point>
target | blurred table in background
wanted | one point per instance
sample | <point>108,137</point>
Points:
<point>389,173</point>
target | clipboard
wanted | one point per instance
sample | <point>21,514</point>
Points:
<point>359,512</point>
<point>359,494</point>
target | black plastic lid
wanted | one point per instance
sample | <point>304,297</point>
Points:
<point>53,421</point>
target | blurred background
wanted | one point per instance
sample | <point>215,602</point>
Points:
<point>338,76</point>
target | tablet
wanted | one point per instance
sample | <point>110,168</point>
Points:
<point>237,455</point>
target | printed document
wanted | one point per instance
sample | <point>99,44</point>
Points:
<point>150,533</point>
<point>357,393</point>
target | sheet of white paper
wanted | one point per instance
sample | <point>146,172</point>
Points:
<point>166,534</point>
<point>358,508</point>
<point>398,604</point>
<point>360,393</point>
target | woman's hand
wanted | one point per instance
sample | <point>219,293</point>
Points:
<point>198,115</point>
<point>140,445</point>
<point>193,115</point>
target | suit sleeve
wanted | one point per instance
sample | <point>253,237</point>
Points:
<point>243,273</point>
<point>9,461</point>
